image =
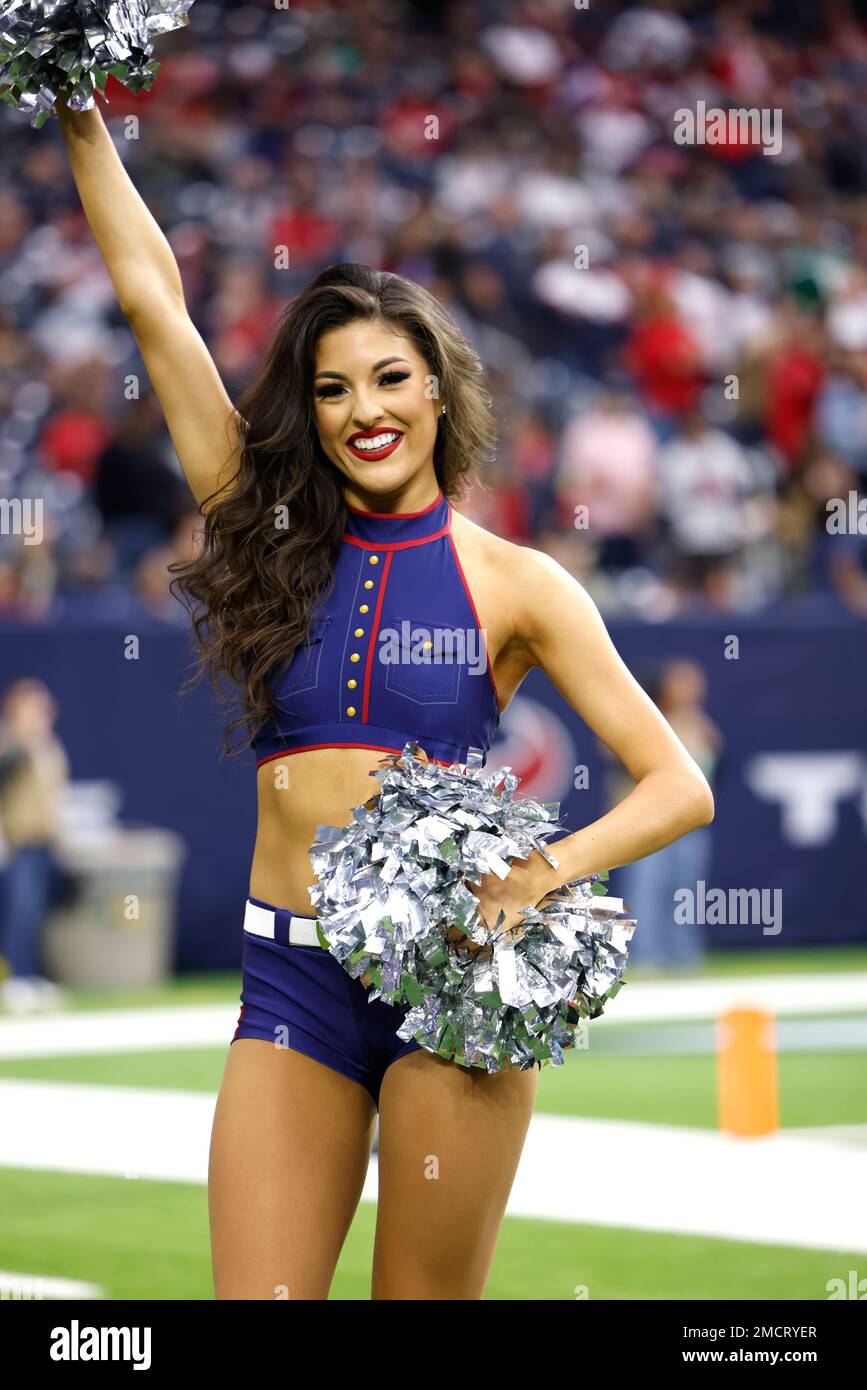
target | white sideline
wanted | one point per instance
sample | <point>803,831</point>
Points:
<point>18,1286</point>
<point>801,1190</point>
<point>212,1025</point>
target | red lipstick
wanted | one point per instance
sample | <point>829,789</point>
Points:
<point>393,439</point>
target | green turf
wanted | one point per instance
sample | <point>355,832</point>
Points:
<point>142,1240</point>
<point>175,1069</point>
<point>816,1088</point>
<point>770,959</point>
<point>621,1031</point>
<point>221,986</point>
<point>216,987</point>
<point>553,1261</point>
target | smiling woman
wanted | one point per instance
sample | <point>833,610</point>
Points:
<point>374,443</point>
<point>399,401</point>
<point>358,355</point>
<point>395,561</point>
<point>328,496</point>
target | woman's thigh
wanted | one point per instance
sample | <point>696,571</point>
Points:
<point>450,1139</point>
<point>290,1147</point>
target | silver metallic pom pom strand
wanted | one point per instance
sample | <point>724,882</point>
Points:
<point>49,46</point>
<point>393,882</point>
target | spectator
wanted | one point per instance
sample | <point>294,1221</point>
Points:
<point>664,360</point>
<point>830,556</point>
<point>650,885</point>
<point>841,409</point>
<point>33,776</point>
<point>793,380</point>
<point>609,464</point>
<point>705,481</point>
<point>138,494</point>
<point>73,439</point>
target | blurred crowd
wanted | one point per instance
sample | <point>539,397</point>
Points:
<point>676,334</point>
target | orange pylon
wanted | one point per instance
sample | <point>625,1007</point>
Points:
<point>747,1080</point>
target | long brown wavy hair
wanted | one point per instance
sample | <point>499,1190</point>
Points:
<point>254,583</point>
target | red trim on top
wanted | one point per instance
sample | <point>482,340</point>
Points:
<point>476,616</point>
<point>309,747</point>
<point>359,511</point>
<point>395,545</point>
<point>368,667</point>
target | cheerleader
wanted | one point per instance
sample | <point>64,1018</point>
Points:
<point>334,566</point>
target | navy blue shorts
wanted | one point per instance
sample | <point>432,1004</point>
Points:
<point>300,997</point>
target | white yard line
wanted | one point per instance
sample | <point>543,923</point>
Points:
<point>18,1285</point>
<point>788,1190</point>
<point>118,1030</point>
<point>212,1025</point>
<point>817,993</point>
<point>694,1182</point>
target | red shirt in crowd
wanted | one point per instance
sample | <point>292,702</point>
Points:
<point>72,442</point>
<point>793,382</point>
<point>662,356</point>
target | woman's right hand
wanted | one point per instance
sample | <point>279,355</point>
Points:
<point>60,101</point>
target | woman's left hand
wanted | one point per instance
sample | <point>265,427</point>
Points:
<point>528,882</point>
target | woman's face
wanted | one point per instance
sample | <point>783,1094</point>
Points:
<point>370,381</point>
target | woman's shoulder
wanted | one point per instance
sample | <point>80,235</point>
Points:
<point>471,534</point>
<point>516,563</point>
<point>527,584</point>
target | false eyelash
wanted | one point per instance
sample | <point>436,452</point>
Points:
<point>392,378</point>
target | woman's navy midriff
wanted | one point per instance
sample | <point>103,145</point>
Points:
<point>395,653</point>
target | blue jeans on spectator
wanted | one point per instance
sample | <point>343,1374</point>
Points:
<point>29,876</point>
<point>648,887</point>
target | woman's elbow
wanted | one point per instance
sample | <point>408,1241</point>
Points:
<point>701,806</point>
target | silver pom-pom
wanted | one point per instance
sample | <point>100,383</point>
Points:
<point>49,45</point>
<point>392,883</point>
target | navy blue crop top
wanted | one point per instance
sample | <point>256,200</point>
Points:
<point>395,653</point>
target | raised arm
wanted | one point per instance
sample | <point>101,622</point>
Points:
<point>205,427</point>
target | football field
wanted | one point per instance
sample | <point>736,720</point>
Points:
<point>627,1188</point>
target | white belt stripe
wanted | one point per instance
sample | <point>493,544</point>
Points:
<point>261,922</point>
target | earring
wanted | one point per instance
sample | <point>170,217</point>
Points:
<point>443,411</point>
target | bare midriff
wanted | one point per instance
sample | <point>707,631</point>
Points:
<point>297,794</point>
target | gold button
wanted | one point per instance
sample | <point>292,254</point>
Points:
<point>351,709</point>
<point>355,657</point>
<point>374,559</point>
<point>352,684</point>
<point>359,632</point>
<point>368,583</point>
<point>365,607</point>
